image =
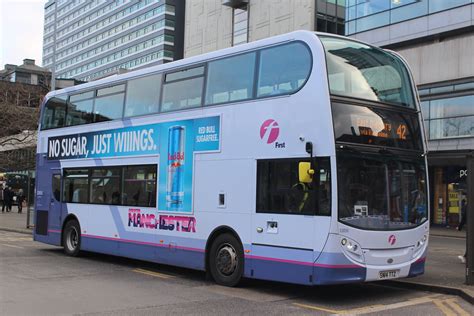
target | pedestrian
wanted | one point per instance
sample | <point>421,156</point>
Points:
<point>6,196</point>
<point>11,194</point>
<point>2,199</point>
<point>461,225</point>
<point>20,199</point>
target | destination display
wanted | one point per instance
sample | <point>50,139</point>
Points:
<point>363,125</point>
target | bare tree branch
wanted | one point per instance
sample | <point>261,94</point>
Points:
<point>19,115</point>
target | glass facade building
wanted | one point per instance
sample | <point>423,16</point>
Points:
<point>448,115</point>
<point>363,15</point>
<point>86,40</point>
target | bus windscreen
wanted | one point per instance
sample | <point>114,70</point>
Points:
<point>361,71</point>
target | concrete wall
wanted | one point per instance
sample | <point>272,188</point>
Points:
<point>208,23</point>
<point>449,59</point>
<point>208,27</point>
<point>274,17</point>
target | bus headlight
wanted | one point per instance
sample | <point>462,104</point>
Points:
<point>419,246</point>
<point>352,249</point>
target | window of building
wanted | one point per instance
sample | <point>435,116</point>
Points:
<point>436,5</point>
<point>330,16</point>
<point>369,7</point>
<point>280,72</point>
<point>369,14</point>
<point>373,21</point>
<point>143,96</point>
<point>408,9</point>
<point>240,27</point>
<point>449,115</point>
<point>279,189</point>
<point>230,79</point>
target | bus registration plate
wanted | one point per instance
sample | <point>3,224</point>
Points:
<point>389,274</point>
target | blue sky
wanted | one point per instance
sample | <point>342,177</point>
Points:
<point>21,31</point>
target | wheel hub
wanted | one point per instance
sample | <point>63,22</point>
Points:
<point>226,260</point>
<point>72,239</point>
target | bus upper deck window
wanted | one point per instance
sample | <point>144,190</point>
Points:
<point>230,79</point>
<point>283,69</point>
<point>183,89</point>
<point>108,104</point>
<point>143,96</point>
<point>54,112</point>
<point>79,109</point>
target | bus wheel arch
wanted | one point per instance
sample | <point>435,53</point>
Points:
<point>71,235</point>
<point>224,241</point>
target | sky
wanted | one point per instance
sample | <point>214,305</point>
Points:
<point>21,31</point>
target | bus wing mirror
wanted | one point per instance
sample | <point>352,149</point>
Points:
<point>305,173</point>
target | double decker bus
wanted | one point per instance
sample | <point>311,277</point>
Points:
<point>298,158</point>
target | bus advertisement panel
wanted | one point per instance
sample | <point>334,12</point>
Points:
<point>173,142</point>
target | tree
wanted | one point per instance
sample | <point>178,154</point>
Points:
<point>22,94</point>
<point>15,119</point>
<point>18,127</point>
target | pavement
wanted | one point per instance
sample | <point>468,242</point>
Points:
<point>15,222</point>
<point>444,272</point>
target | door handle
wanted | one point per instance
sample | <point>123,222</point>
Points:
<point>259,230</point>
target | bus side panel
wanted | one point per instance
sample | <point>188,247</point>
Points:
<point>106,229</point>
<point>101,245</point>
<point>167,253</point>
<point>274,263</point>
<point>182,256</point>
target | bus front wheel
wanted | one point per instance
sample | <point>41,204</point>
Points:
<point>72,238</point>
<point>226,260</point>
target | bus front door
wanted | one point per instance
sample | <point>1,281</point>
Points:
<point>283,228</point>
<point>55,201</point>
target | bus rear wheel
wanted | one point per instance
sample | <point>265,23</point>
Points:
<point>72,238</point>
<point>226,260</point>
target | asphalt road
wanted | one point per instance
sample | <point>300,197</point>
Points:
<point>38,279</point>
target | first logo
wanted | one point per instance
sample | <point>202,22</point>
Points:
<point>269,131</point>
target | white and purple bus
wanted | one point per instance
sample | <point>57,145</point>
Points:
<point>298,158</point>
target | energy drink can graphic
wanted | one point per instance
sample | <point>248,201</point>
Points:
<point>175,181</point>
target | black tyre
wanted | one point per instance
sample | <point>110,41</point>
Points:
<point>72,238</point>
<point>226,260</point>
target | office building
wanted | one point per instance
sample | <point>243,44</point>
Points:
<point>215,24</point>
<point>28,73</point>
<point>437,39</point>
<point>90,39</point>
